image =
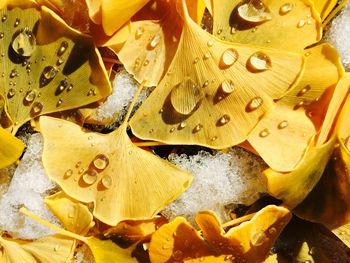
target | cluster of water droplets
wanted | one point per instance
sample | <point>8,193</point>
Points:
<point>91,174</point>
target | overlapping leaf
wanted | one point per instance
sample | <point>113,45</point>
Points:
<point>249,242</point>
<point>283,135</point>
<point>288,25</point>
<point>293,187</point>
<point>56,249</point>
<point>46,66</point>
<point>123,181</point>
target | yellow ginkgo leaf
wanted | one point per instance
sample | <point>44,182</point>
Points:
<point>11,148</point>
<point>102,250</point>
<point>116,13</point>
<point>75,216</point>
<point>324,7</point>
<point>123,181</point>
<point>293,187</point>
<point>55,249</point>
<point>288,25</point>
<point>95,10</point>
<point>250,241</point>
<point>329,203</point>
<point>282,136</point>
<point>152,44</point>
<point>47,66</point>
<point>210,96</point>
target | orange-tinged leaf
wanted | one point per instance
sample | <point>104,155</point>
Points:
<point>95,10</point>
<point>151,45</point>
<point>57,68</point>
<point>250,241</point>
<point>55,248</point>
<point>75,216</point>
<point>116,13</point>
<point>123,181</point>
<point>218,80</point>
<point>11,148</point>
<point>324,7</point>
<point>282,136</point>
<point>288,25</point>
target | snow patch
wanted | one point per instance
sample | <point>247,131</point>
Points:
<point>219,180</point>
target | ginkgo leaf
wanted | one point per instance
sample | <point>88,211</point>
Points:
<point>251,241</point>
<point>116,13</point>
<point>95,10</point>
<point>293,187</point>
<point>123,181</point>
<point>282,136</point>
<point>55,249</point>
<point>152,44</point>
<point>210,95</point>
<point>102,250</point>
<point>11,148</point>
<point>329,203</point>
<point>324,7</point>
<point>288,25</point>
<point>47,66</point>
<point>74,215</point>
<point>343,233</point>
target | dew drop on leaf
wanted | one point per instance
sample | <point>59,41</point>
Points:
<point>90,176</point>
<point>254,104</point>
<point>228,58</point>
<point>101,161</point>
<point>254,11</point>
<point>62,49</point>
<point>24,42</point>
<point>259,238</point>
<point>259,62</point>
<point>286,8</point>
<point>107,181</point>
<point>186,96</point>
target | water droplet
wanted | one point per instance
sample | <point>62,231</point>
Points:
<point>137,63</point>
<point>70,87</point>
<point>182,125</point>
<point>172,130</point>
<point>78,164</point>
<point>4,18</point>
<point>272,230</point>
<point>205,84</point>
<point>13,73</point>
<point>227,86</point>
<point>254,11</point>
<point>61,87</point>
<point>59,102</point>
<point>11,93</point>
<point>17,22</point>
<point>90,176</point>
<point>68,173</point>
<point>258,238</point>
<point>59,61</point>
<point>146,62</point>
<point>177,255</point>
<point>197,128</point>
<point>139,32</point>
<point>24,42</point>
<point>56,248</point>
<point>264,133</point>
<point>299,105</point>
<point>233,30</point>
<point>309,22</point>
<point>258,62</point>
<point>50,72</point>
<point>304,90</point>
<point>228,58</point>
<point>223,120</point>
<point>282,125</point>
<point>307,54</point>
<point>301,23</point>
<point>37,108</point>
<point>155,41</point>
<point>210,43</point>
<point>62,49</point>
<point>101,161</point>
<point>214,138</point>
<point>186,96</point>
<point>107,181</point>
<point>254,104</point>
<point>30,96</point>
<point>196,60</point>
<point>286,8</point>
<point>207,55</point>
<point>2,35</point>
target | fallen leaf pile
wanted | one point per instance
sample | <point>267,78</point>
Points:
<point>224,73</point>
